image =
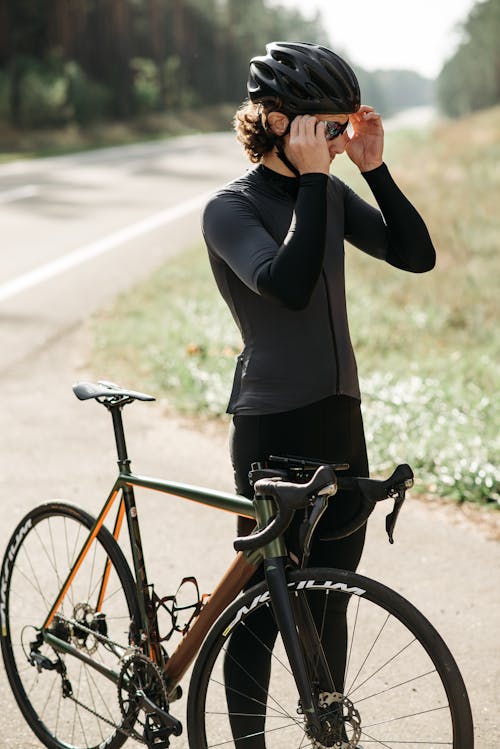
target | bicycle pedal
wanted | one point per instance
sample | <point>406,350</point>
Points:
<point>156,736</point>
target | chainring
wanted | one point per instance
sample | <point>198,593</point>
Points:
<point>140,673</point>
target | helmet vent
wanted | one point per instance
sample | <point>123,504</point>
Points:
<point>265,72</point>
<point>313,91</point>
<point>292,87</point>
<point>285,59</point>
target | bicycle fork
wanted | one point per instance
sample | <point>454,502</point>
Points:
<point>282,607</point>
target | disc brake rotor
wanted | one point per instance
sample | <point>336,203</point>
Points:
<point>84,614</point>
<point>341,721</point>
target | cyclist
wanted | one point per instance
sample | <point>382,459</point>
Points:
<point>275,238</point>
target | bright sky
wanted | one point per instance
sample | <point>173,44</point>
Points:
<point>391,33</point>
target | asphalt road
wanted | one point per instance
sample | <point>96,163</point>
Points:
<point>78,229</point>
<point>51,445</point>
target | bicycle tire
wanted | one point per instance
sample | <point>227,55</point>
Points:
<point>401,680</point>
<point>37,560</point>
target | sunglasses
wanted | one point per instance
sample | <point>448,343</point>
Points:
<point>334,129</point>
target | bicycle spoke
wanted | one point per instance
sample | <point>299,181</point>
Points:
<point>368,739</point>
<point>409,715</point>
<point>54,567</point>
<point>246,672</point>
<point>353,637</point>
<point>94,706</point>
<point>58,711</point>
<point>322,628</point>
<point>252,699</point>
<point>33,581</point>
<point>251,735</point>
<point>49,696</point>
<point>267,648</point>
<point>387,662</point>
<point>396,696</point>
<point>20,597</point>
<point>51,561</point>
<point>76,545</point>
<point>395,686</point>
<point>42,563</point>
<point>246,715</point>
<point>370,651</point>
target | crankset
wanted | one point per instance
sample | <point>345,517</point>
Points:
<point>142,695</point>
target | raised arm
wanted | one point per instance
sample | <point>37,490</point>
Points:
<point>285,273</point>
<point>396,233</point>
<point>402,237</point>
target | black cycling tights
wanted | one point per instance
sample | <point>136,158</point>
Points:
<point>330,430</point>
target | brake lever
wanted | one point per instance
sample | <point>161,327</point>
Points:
<point>391,518</point>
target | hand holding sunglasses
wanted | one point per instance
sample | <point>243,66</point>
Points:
<point>366,144</point>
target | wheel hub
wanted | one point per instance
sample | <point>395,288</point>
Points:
<point>85,618</point>
<point>340,722</point>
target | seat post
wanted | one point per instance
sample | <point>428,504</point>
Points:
<point>121,446</point>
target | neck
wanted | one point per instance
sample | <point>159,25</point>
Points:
<point>272,161</point>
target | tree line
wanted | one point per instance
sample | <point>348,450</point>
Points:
<point>470,79</point>
<point>65,61</point>
<point>85,59</point>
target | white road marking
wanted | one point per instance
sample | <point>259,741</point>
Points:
<point>99,247</point>
<point>19,193</point>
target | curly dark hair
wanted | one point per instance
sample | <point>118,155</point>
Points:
<point>250,124</point>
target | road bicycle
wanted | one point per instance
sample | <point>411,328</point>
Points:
<point>84,636</point>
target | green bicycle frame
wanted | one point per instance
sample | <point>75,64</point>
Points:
<point>228,588</point>
<point>147,627</point>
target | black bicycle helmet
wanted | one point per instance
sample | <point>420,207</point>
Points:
<point>307,78</point>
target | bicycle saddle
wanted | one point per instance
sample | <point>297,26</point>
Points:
<point>108,390</point>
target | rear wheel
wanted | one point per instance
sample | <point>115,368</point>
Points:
<point>66,702</point>
<point>402,687</point>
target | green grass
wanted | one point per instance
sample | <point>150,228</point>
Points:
<point>174,335</point>
<point>427,346</point>
<point>18,144</point>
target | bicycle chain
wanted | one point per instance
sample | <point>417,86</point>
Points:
<point>130,649</point>
<point>129,734</point>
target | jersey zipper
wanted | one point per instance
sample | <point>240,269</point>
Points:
<point>332,331</point>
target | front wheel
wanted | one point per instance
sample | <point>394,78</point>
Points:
<point>397,686</point>
<point>68,703</point>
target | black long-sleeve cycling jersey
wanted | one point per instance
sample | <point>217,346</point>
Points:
<point>276,246</point>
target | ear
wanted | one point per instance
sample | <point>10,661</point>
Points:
<point>278,122</point>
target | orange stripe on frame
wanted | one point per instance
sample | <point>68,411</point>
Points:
<point>80,559</point>
<point>107,570</point>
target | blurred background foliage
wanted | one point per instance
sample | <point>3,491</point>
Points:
<point>470,80</point>
<point>76,62</point>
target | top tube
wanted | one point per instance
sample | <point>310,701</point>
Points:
<point>221,500</point>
